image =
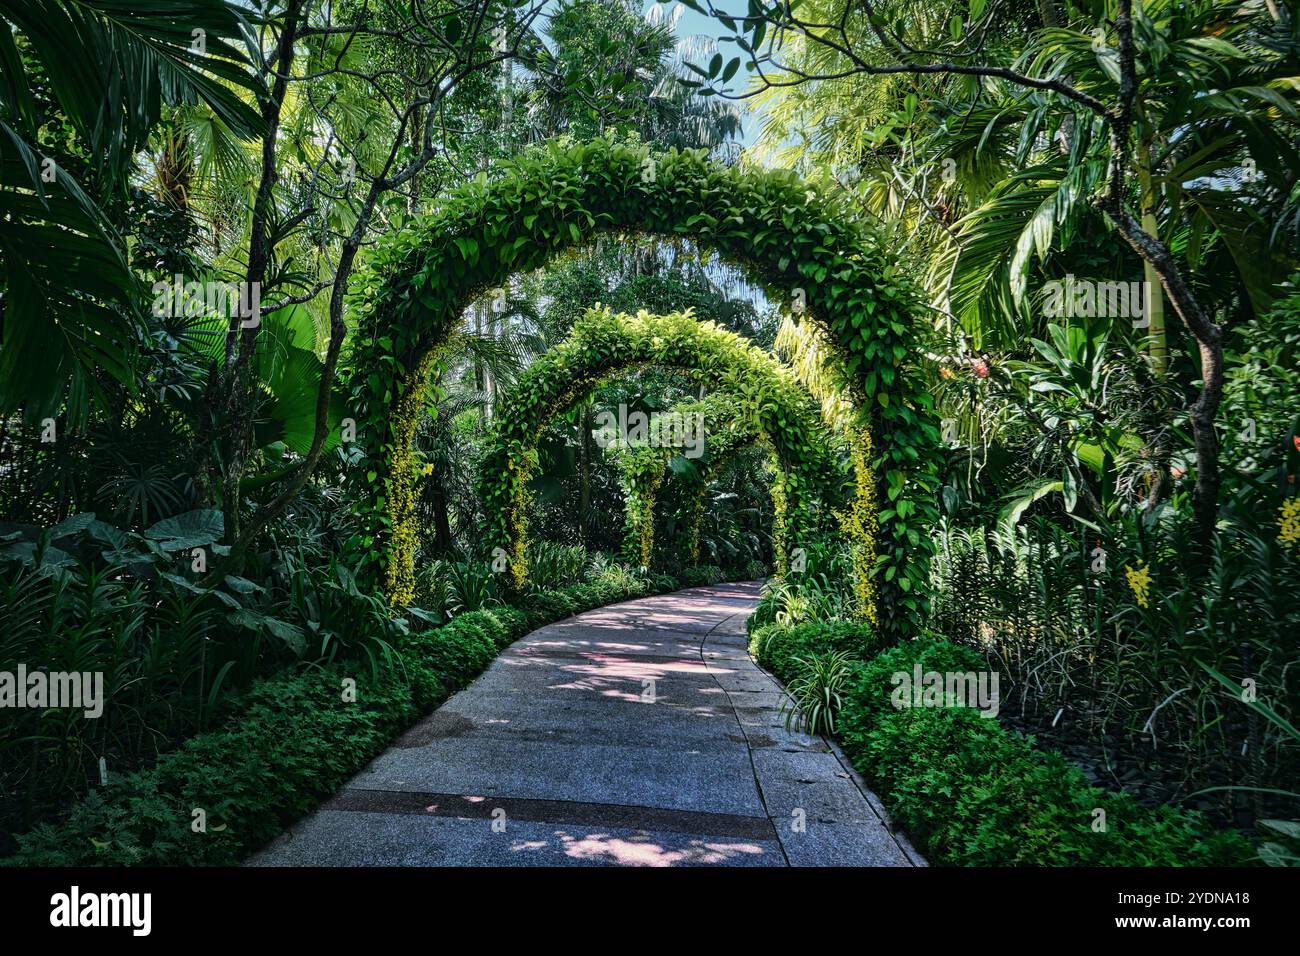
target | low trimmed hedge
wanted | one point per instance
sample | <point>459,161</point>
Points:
<point>291,742</point>
<point>971,792</point>
<point>778,648</point>
<point>706,575</point>
<point>700,576</point>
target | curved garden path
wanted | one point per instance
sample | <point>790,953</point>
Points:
<point>638,734</point>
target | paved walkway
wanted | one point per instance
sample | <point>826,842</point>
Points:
<point>636,734</point>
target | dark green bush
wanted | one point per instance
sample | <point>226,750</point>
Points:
<point>542,607</point>
<point>701,576</point>
<point>778,648</point>
<point>608,591</point>
<point>513,622</point>
<point>585,596</point>
<point>970,792</point>
<point>456,651</point>
<point>662,583</point>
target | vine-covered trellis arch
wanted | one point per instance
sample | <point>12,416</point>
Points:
<point>724,446</point>
<point>728,429</point>
<point>604,344</point>
<point>798,242</point>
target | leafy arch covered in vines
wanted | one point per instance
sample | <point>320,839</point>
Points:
<point>604,344</point>
<point>728,427</point>
<point>800,243</point>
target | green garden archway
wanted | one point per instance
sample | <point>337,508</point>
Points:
<point>799,243</point>
<point>733,443</point>
<point>727,432</point>
<point>604,344</point>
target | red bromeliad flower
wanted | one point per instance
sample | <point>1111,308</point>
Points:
<point>981,368</point>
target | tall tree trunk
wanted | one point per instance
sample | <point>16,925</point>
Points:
<point>238,385</point>
<point>441,517</point>
<point>480,374</point>
<point>1157,344</point>
<point>416,137</point>
<point>264,515</point>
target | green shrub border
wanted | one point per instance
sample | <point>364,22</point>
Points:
<point>971,792</point>
<point>290,743</point>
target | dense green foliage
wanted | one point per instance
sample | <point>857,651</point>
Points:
<point>968,791</point>
<point>310,311</point>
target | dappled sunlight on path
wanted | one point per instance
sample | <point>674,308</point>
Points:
<point>640,734</point>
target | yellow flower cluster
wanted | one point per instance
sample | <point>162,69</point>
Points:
<point>1288,522</point>
<point>859,523</point>
<point>519,532</point>
<point>399,574</point>
<point>780,504</point>
<point>1139,581</point>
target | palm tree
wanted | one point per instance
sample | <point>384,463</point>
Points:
<point>70,301</point>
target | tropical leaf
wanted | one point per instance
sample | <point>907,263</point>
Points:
<point>70,299</point>
<point>293,381</point>
<point>71,303</point>
<point>112,65</point>
<point>193,529</point>
<point>1020,501</point>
